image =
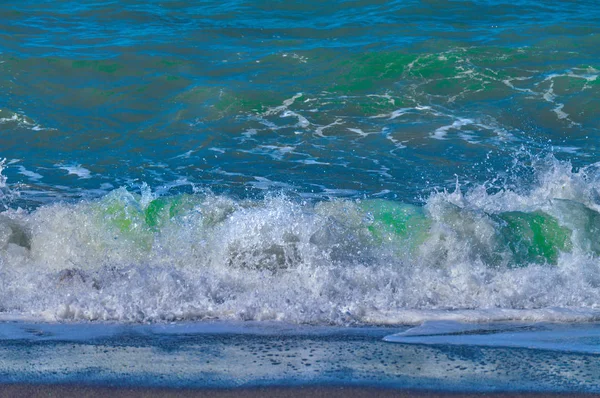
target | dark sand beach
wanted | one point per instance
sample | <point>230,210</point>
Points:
<point>25,390</point>
<point>251,360</point>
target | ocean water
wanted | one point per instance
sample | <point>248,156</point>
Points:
<point>324,163</point>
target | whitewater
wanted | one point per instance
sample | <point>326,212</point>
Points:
<point>465,254</point>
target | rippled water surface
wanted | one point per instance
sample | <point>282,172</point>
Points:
<point>328,162</point>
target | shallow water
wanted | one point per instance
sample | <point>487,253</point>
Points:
<point>339,163</point>
<point>230,355</point>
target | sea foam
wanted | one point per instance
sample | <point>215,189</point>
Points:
<point>468,255</point>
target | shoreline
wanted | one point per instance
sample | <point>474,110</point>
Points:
<point>225,361</point>
<point>89,391</point>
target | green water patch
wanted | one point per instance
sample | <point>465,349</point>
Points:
<point>162,210</point>
<point>401,223</point>
<point>564,85</point>
<point>197,95</point>
<point>584,222</point>
<point>127,215</point>
<point>361,105</point>
<point>533,237</point>
<point>446,73</point>
<point>513,238</point>
<point>8,115</point>
<point>495,57</point>
<point>366,71</point>
<point>217,103</point>
<point>123,216</point>
<point>464,85</point>
<point>169,63</point>
<point>436,66</point>
<point>229,103</point>
<point>100,66</point>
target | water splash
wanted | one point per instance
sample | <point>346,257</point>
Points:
<point>470,254</point>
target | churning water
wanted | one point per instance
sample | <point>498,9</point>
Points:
<point>333,162</point>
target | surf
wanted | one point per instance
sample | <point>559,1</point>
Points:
<point>465,254</point>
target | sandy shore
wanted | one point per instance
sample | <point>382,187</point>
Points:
<point>27,390</point>
<point>48,360</point>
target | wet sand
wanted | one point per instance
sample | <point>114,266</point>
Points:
<point>28,390</point>
<point>221,360</point>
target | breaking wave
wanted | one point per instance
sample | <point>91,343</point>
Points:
<point>472,254</point>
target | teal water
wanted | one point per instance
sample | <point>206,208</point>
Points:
<point>340,162</point>
<point>387,96</point>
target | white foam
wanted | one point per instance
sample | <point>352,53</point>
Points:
<point>277,152</point>
<point>28,173</point>
<point>185,155</point>
<point>77,170</point>
<point>266,184</point>
<point>313,161</point>
<point>302,262</point>
<point>398,144</point>
<point>399,112</point>
<point>2,177</point>
<point>7,116</point>
<point>6,193</point>
<point>302,121</point>
<point>441,132</point>
<point>284,106</point>
<point>320,129</point>
<point>545,336</point>
<point>358,131</point>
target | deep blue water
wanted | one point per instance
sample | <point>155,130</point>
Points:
<point>161,91</point>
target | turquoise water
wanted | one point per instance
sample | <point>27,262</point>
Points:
<point>341,162</point>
